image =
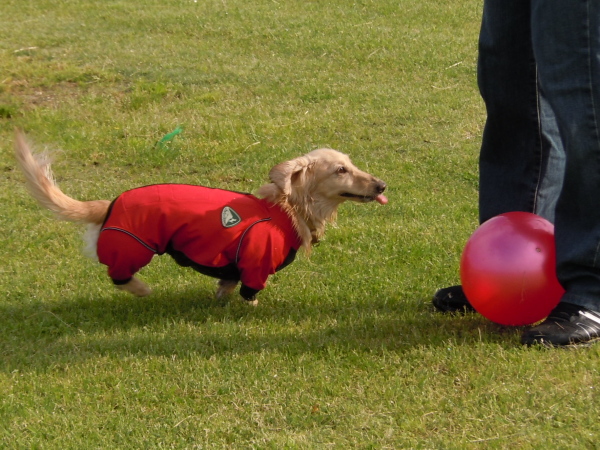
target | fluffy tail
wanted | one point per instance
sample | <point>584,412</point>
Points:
<point>42,187</point>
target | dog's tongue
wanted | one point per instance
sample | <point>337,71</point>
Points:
<point>381,199</point>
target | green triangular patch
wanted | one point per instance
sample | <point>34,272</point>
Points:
<point>229,218</point>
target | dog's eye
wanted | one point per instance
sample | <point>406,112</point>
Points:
<point>342,170</point>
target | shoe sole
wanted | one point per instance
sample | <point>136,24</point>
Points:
<point>574,345</point>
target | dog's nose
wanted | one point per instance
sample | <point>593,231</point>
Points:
<point>380,186</point>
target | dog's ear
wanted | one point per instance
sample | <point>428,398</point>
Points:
<point>285,174</point>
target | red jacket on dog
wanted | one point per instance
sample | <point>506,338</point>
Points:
<point>225,234</point>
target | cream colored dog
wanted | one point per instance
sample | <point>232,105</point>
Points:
<point>308,190</point>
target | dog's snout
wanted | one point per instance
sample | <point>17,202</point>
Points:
<point>380,186</point>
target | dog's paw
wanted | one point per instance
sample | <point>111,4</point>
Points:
<point>225,287</point>
<point>136,287</point>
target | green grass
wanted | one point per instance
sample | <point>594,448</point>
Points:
<point>344,349</point>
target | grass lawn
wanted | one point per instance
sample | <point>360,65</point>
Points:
<point>344,349</point>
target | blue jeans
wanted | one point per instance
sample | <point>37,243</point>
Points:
<point>539,76</point>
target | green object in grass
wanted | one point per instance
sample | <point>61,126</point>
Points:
<point>168,137</point>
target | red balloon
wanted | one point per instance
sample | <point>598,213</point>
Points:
<point>508,269</point>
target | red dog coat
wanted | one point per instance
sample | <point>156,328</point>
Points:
<point>224,234</point>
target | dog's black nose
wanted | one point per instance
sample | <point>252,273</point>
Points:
<point>380,186</point>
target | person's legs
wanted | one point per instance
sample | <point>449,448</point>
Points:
<point>521,160</point>
<point>520,134</point>
<point>568,50</point>
<point>566,39</point>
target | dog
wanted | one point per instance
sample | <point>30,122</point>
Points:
<point>232,236</point>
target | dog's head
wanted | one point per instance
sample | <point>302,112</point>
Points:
<point>311,187</point>
<point>326,175</point>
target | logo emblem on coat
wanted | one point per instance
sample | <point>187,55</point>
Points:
<point>229,218</point>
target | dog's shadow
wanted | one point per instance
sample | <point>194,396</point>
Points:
<point>192,321</point>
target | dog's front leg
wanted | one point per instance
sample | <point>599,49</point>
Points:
<point>226,287</point>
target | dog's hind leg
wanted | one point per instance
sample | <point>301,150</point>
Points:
<point>225,287</point>
<point>135,287</point>
<point>125,256</point>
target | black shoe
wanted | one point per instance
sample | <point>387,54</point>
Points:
<point>452,300</point>
<point>567,324</point>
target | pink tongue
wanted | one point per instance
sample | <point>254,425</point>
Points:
<point>381,199</point>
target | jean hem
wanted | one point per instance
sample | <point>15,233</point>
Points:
<point>592,304</point>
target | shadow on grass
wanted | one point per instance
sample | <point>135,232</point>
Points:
<point>35,336</point>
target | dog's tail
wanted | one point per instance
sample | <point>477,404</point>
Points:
<point>42,187</point>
